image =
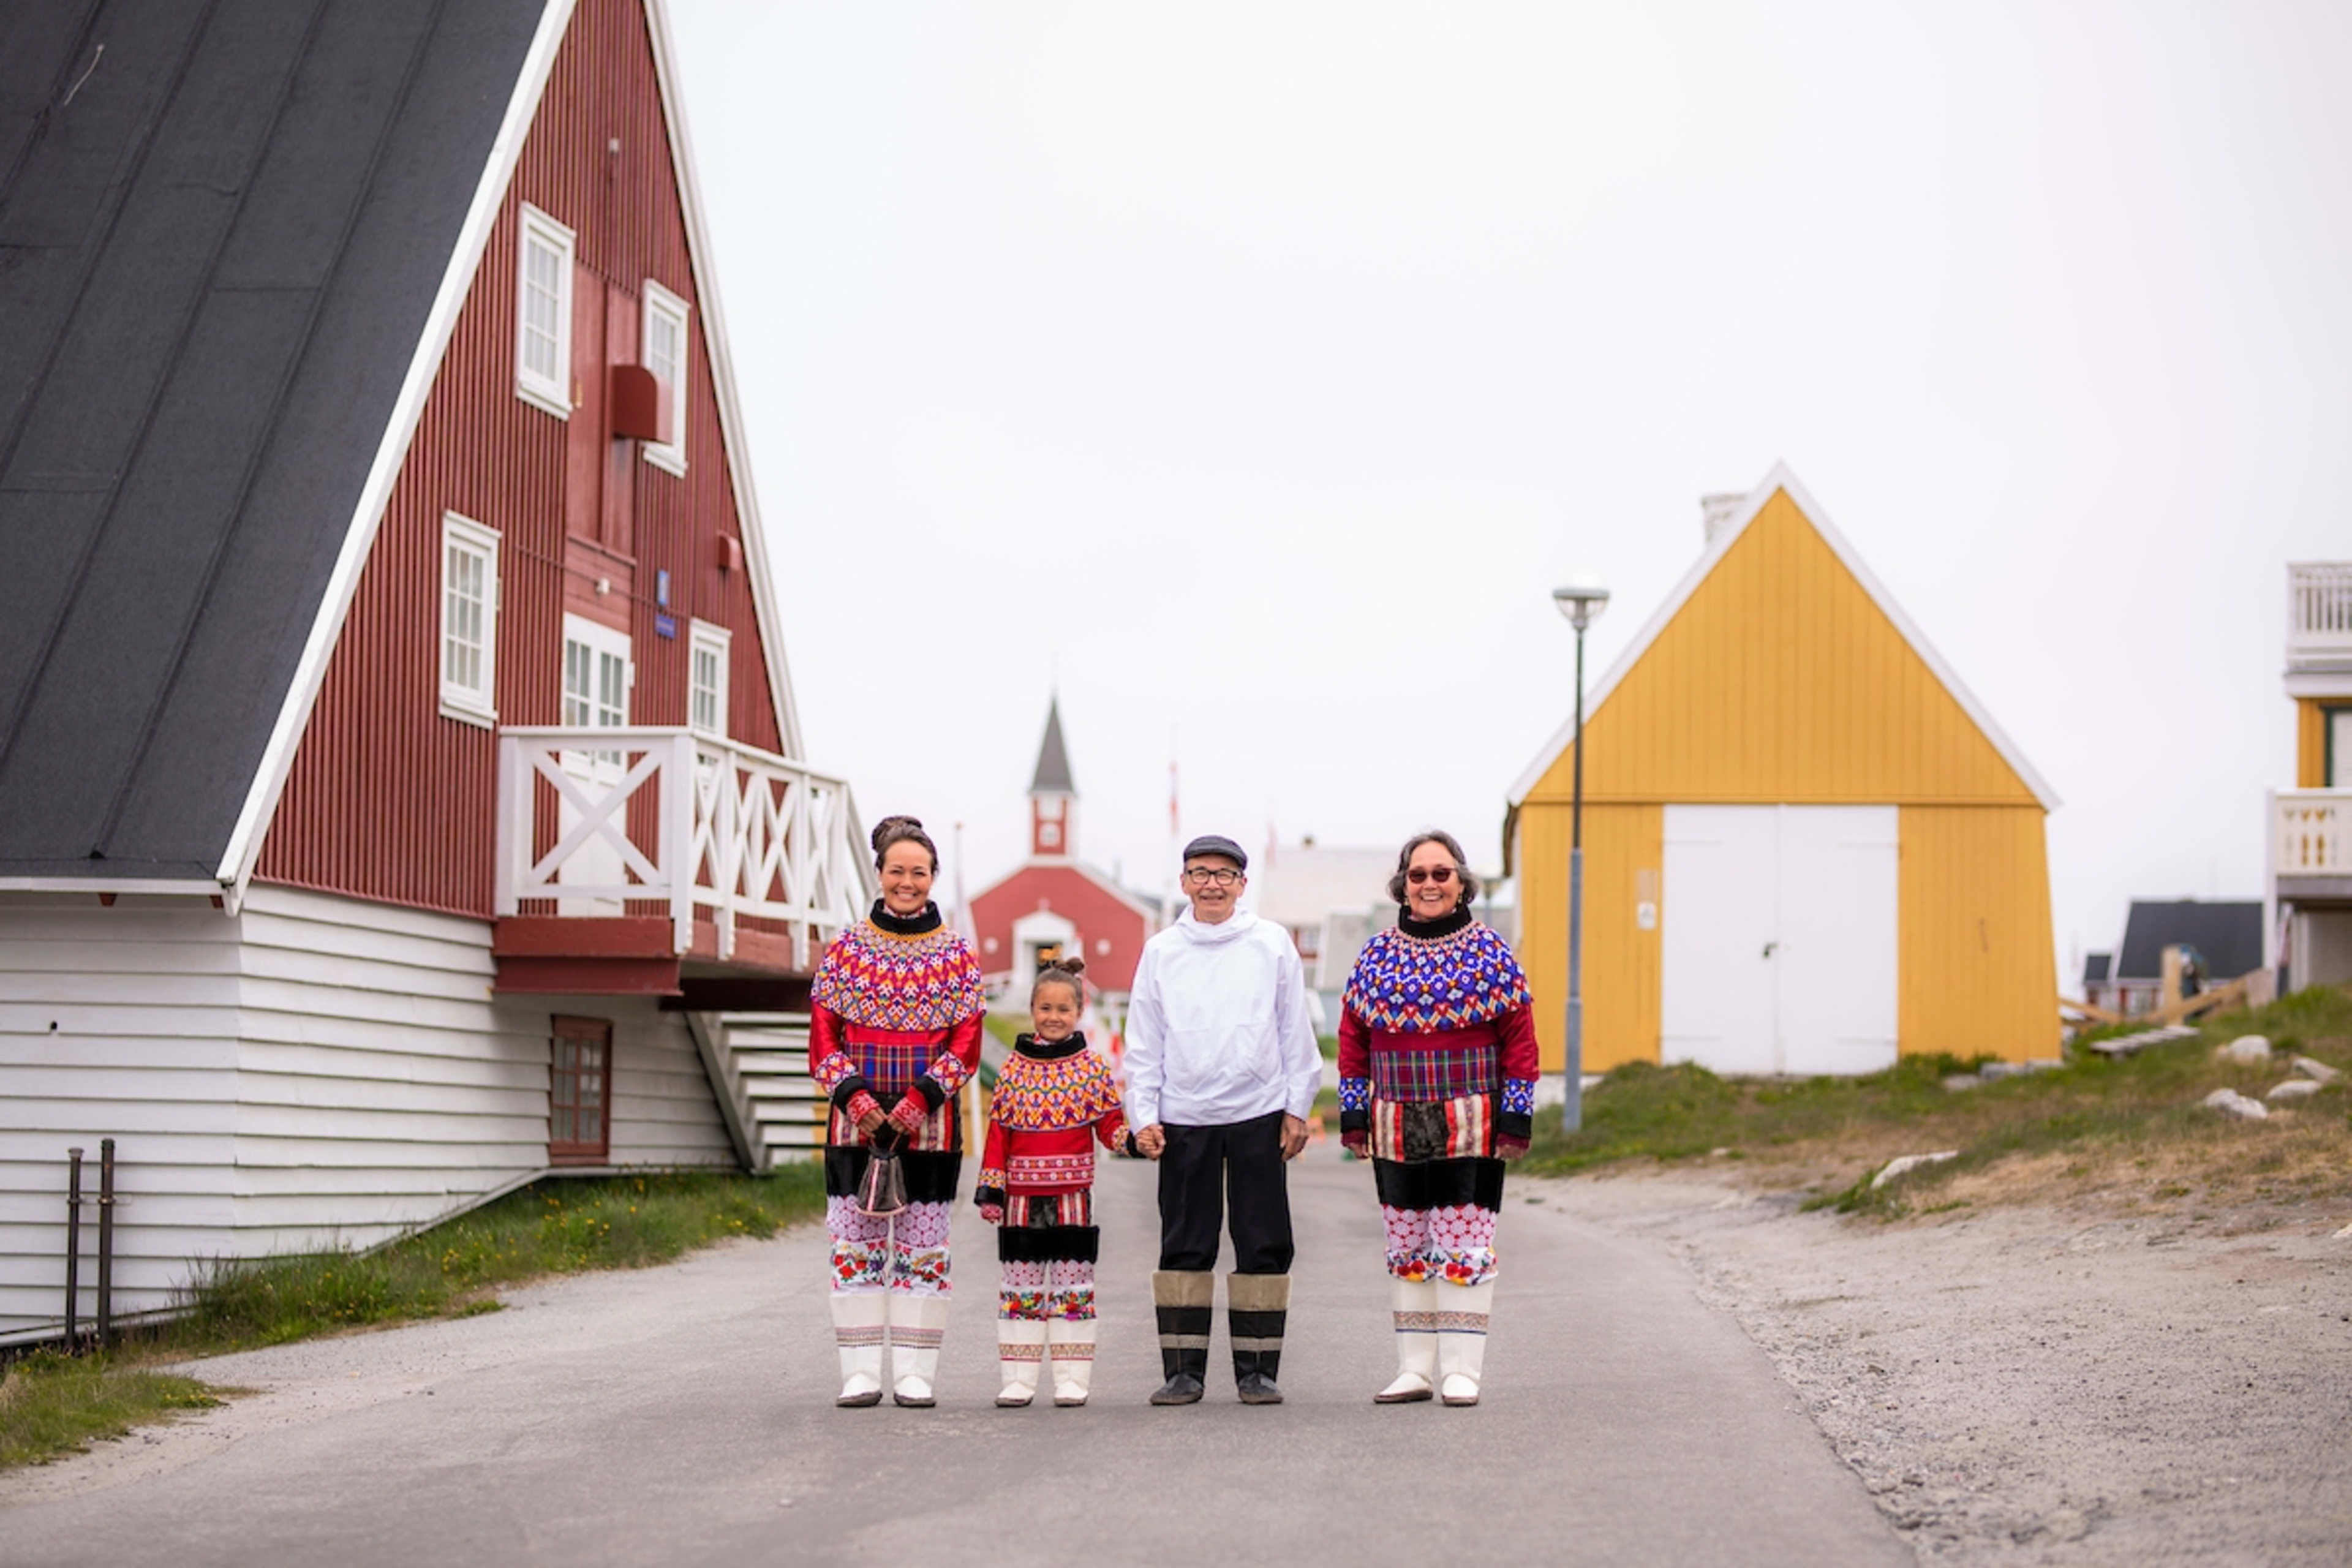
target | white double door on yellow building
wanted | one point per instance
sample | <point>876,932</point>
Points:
<point>1778,938</point>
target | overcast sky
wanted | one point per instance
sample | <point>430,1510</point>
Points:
<point>1254,371</point>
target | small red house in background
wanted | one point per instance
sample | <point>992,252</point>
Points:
<point>1056,903</point>
<point>400,795</point>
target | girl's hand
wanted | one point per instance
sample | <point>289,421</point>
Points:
<point>993,1213</point>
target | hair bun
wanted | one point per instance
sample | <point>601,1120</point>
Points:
<point>893,827</point>
<point>1072,966</point>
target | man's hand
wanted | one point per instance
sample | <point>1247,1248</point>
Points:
<point>1151,1139</point>
<point>1294,1136</point>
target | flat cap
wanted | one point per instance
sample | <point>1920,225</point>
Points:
<point>1217,844</point>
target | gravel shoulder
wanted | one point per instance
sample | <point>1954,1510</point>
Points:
<point>2081,1383</point>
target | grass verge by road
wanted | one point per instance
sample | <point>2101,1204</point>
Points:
<point>53,1404</point>
<point>2134,1124</point>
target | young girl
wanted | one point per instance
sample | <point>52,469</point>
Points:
<point>1054,1100</point>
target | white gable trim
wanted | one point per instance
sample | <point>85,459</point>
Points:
<point>722,376</point>
<point>1781,479</point>
<point>392,451</point>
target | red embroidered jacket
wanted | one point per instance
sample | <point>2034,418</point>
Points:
<point>1053,1103</point>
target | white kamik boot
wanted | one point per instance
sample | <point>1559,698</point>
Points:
<point>1462,1342</point>
<point>1072,1340</point>
<point>1021,1352</point>
<point>858,1316</point>
<point>918,1320</point>
<point>1414,1306</point>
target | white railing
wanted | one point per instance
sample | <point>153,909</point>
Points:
<point>718,826</point>
<point>2319,608</point>
<point>2311,833</point>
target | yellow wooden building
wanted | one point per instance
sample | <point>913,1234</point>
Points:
<point>1807,848</point>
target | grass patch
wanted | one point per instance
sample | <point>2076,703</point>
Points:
<point>2134,1121</point>
<point>52,1406</point>
<point>550,1227</point>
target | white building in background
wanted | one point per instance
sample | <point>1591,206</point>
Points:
<point>2308,829</point>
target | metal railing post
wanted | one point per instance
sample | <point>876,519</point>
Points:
<point>105,1243</point>
<point>73,1245</point>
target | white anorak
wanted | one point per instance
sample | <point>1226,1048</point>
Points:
<point>1217,1027</point>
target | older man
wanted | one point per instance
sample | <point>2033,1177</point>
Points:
<point>1221,1070</point>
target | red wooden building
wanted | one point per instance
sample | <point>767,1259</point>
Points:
<point>400,790</point>
<point>1054,902</point>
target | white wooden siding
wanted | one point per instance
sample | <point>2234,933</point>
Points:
<point>314,1071</point>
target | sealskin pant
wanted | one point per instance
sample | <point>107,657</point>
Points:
<point>1200,1169</point>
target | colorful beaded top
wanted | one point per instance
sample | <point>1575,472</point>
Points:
<point>1462,972</point>
<point>1048,1087</point>
<point>890,973</point>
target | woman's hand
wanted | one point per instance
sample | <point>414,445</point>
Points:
<point>1357,1142</point>
<point>1509,1149</point>
<point>868,1115</point>
<point>910,1115</point>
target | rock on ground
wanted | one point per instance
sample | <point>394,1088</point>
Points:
<point>2040,1385</point>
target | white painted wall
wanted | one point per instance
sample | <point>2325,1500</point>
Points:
<point>314,1071</point>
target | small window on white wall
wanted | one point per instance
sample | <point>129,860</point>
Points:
<point>469,620</point>
<point>666,355</point>
<point>543,314</point>
<point>705,706</point>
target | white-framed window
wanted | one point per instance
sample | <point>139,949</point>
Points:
<point>597,674</point>
<point>543,314</point>
<point>469,620</point>
<point>667,356</point>
<point>706,674</point>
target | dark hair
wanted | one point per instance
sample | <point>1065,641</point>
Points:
<point>902,830</point>
<point>1469,879</point>
<point>1061,971</point>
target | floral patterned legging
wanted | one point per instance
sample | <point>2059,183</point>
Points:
<point>864,1255</point>
<point>1455,1244</point>
<point>1042,1292</point>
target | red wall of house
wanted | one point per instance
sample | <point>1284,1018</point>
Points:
<point>1098,915</point>
<point>387,798</point>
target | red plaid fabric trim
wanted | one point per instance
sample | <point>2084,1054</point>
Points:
<point>1469,1130</point>
<point>1427,1076</point>
<point>890,1067</point>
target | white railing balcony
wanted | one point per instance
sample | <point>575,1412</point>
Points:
<point>596,820</point>
<point>2311,833</point>
<point>2319,613</point>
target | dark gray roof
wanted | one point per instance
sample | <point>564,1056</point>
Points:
<point>2229,936</point>
<point>220,239</point>
<point>1053,775</point>
<point>2098,967</point>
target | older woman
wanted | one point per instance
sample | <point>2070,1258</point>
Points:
<point>894,1031</point>
<point>1437,1070</point>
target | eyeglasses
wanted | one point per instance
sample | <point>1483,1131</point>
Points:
<point>1202,876</point>
<point>1441,875</point>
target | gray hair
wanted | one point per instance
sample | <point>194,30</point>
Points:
<point>1468,878</point>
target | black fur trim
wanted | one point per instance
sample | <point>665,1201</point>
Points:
<point>1048,1243</point>
<point>928,1087</point>
<point>932,1176</point>
<point>984,1196</point>
<point>1355,1121</point>
<point>1439,1184</point>
<point>1516,1124</point>
<point>848,1089</point>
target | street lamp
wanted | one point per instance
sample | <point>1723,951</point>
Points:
<point>1582,600</point>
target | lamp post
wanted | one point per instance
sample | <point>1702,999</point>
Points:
<point>1582,600</point>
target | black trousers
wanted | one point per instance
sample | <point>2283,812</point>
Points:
<point>1203,1167</point>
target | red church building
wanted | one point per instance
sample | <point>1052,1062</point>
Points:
<point>1055,903</point>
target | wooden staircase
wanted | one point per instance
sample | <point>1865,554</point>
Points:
<point>759,1064</point>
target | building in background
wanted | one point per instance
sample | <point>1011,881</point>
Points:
<point>1330,900</point>
<point>401,796</point>
<point>1807,847</point>
<point>2308,832</point>
<point>2222,940</point>
<point>1055,903</point>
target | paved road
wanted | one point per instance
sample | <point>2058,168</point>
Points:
<point>684,1415</point>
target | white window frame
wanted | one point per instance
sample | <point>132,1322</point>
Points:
<point>552,393</point>
<point>602,643</point>
<point>703,637</point>
<point>475,704</point>
<point>660,302</point>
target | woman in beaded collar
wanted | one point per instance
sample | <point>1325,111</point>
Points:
<point>1437,1069</point>
<point>894,1032</point>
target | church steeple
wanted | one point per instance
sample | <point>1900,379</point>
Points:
<point>1053,798</point>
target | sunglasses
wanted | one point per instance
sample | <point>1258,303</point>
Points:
<point>1441,875</point>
